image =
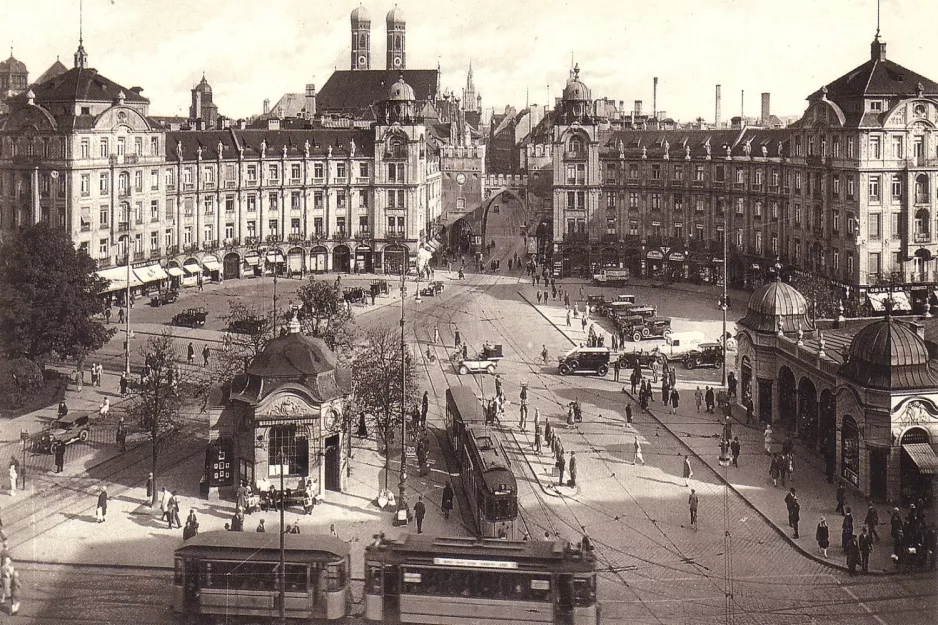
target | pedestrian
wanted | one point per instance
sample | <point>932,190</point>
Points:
<point>172,511</point>
<point>865,546</point>
<point>192,526</point>
<point>675,399</point>
<point>260,527</point>
<point>149,488</point>
<point>795,514</point>
<point>295,528</point>
<point>6,575</point>
<point>121,436</point>
<point>638,453</point>
<point>616,366</point>
<point>100,511</point>
<point>107,315</point>
<point>709,399</point>
<point>852,550</point>
<point>628,414</point>
<point>731,384</point>
<point>523,408</point>
<point>100,373</point>
<point>59,452</point>
<point>538,297</point>
<point>872,522</point>
<point>447,503</point>
<point>688,472</point>
<point>569,324</point>
<point>14,476</point>
<point>665,391</point>
<point>698,398</point>
<point>548,434</point>
<point>424,408</point>
<point>120,316</point>
<point>734,448</point>
<point>775,469</point>
<point>123,384</point>
<point>237,521</point>
<point>561,465</point>
<point>537,439</point>
<point>727,429</point>
<point>205,354</point>
<point>332,531</point>
<point>190,353</point>
<point>164,503</point>
<point>456,338</point>
<point>823,537</point>
<point>14,592</point>
<point>654,371</point>
<point>846,534</point>
<point>572,481</point>
<point>104,408</point>
<point>767,438</point>
<point>895,523</point>
<point>841,498</point>
<point>420,511</point>
<point>544,354</point>
<point>692,502</point>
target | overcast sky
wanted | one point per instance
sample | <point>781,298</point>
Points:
<point>255,50</point>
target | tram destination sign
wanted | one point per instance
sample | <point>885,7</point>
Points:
<point>481,564</point>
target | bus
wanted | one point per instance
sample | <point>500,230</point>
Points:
<point>489,484</point>
<point>220,575</point>
<point>463,581</point>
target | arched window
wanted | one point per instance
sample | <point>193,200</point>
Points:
<point>396,147</point>
<point>921,222</point>
<point>123,182</point>
<point>397,42</point>
<point>362,41</point>
<point>850,451</point>
<point>921,188</point>
<point>287,451</point>
<point>575,145</point>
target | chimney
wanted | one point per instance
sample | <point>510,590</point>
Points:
<point>137,90</point>
<point>716,116</point>
<point>654,98</point>
<point>742,106</point>
<point>766,110</point>
<point>310,101</point>
<point>266,106</point>
<point>638,107</point>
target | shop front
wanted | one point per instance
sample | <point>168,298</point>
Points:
<point>212,269</point>
<point>318,257</point>
<point>252,264</point>
<point>152,277</point>
<point>576,262</point>
<point>232,266</point>
<point>193,275</point>
<point>395,259</point>
<point>296,262</point>
<point>655,264</point>
<point>341,258</point>
<point>275,263</point>
<point>363,259</point>
<point>176,274</point>
<point>677,265</point>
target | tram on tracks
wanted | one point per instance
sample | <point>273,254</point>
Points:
<point>220,575</point>
<point>463,581</point>
<point>486,474</point>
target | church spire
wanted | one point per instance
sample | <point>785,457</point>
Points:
<point>81,57</point>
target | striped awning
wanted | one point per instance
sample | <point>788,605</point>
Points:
<point>192,267</point>
<point>923,456</point>
<point>117,279</point>
<point>900,300</point>
<point>150,273</point>
<point>175,272</point>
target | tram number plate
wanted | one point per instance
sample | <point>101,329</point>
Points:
<point>413,578</point>
<point>540,584</point>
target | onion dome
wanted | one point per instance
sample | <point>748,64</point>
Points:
<point>400,91</point>
<point>889,354</point>
<point>395,17</point>
<point>360,15</point>
<point>13,66</point>
<point>774,303</point>
<point>576,90</point>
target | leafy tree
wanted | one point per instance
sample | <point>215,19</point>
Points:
<point>156,407</point>
<point>324,314</point>
<point>50,293</point>
<point>376,384</point>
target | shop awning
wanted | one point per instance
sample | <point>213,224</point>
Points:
<point>211,264</point>
<point>117,277</point>
<point>275,256</point>
<point>192,267</point>
<point>150,273</point>
<point>900,300</point>
<point>252,260</point>
<point>923,456</point>
<point>176,272</point>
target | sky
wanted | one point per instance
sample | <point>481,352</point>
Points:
<point>520,50</point>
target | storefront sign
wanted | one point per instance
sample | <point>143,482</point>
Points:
<point>676,256</point>
<point>655,255</point>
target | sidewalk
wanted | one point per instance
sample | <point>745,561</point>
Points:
<point>700,433</point>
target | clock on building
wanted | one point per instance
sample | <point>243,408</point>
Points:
<point>460,178</point>
<point>361,61</point>
<point>397,61</point>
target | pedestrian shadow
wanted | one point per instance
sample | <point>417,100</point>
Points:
<point>652,479</point>
<point>86,518</point>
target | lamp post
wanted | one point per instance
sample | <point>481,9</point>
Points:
<point>126,240</point>
<point>24,437</point>
<point>402,484</point>
<point>723,306</point>
<point>283,531</point>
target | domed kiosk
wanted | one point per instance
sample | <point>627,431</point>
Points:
<point>775,303</point>
<point>284,419</point>
<point>889,355</point>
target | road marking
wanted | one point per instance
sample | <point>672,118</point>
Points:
<point>854,596</point>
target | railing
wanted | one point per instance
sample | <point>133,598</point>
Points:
<point>191,248</point>
<point>138,221</point>
<point>295,180</point>
<point>575,155</point>
<point>123,226</point>
<point>273,238</point>
<point>921,237</point>
<point>85,228</point>
<point>773,188</point>
<point>697,183</point>
<point>340,235</point>
<point>188,186</point>
<point>296,237</point>
<point>576,237</point>
<point>210,185</point>
<point>209,246</point>
<point>394,234</point>
<point>123,193</point>
<point>170,187</point>
<point>140,255</point>
<point>172,250</point>
<point>155,252</point>
<point>918,277</point>
<point>610,237</point>
<point>341,180</point>
<point>130,159</point>
<point>250,241</point>
<point>232,243</point>
<point>104,263</point>
<point>362,180</point>
<point>231,184</point>
<point>362,235</point>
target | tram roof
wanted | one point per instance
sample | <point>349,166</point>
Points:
<point>469,406</point>
<point>241,545</point>
<point>485,548</point>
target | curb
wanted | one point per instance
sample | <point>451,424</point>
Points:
<point>562,333</point>
<point>552,493</point>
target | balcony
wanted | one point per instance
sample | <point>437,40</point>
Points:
<point>362,180</point>
<point>85,227</point>
<point>575,155</point>
<point>921,237</point>
<point>130,159</point>
<point>340,235</point>
<point>273,238</point>
<point>576,237</point>
<point>189,186</point>
<point>815,159</point>
<point>209,246</point>
<point>296,238</point>
<point>295,181</point>
<point>209,184</point>
<point>170,187</point>
<point>123,226</point>
<point>341,180</point>
<point>231,184</point>
<point>155,253</point>
<point>363,235</point>
<point>190,248</point>
<point>919,277</point>
<point>139,255</point>
<point>172,250</point>
<point>394,234</point>
<point>123,193</point>
<point>232,243</point>
<point>104,263</point>
<point>739,186</point>
<point>251,241</point>
<point>138,222</point>
<point>697,183</point>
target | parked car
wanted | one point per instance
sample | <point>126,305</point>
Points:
<point>612,276</point>
<point>680,343</point>
<point>642,358</point>
<point>619,303</point>
<point>705,355</point>
<point>69,429</point>
<point>191,318</point>
<point>594,301</point>
<point>247,325</point>
<point>595,359</point>
<point>433,289</point>
<point>638,328</point>
<point>164,297</point>
<point>644,311</point>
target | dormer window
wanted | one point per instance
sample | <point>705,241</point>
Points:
<point>876,105</point>
<point>396,148</point>
<point>575,145</point>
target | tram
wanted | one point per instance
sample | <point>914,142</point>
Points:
<point>221,575</point>
<point>489,484</point>
<point>463,581</point>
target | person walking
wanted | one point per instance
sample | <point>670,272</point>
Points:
<point>192,526</point>
<point>688,472</point>
<point>123,384</point>
<point>14,592</point>
<point>100,511</point>
<point>205,355</point>
<point>795,514</point>
<point>767,438</point>
<point>537,438</point>
<point>164,503</point>
<point>709,399</point>
<point>6,576</point>
<point>14,476</point>
<point>190,353</point>
<point>424,408</point>
<point>872,522</point>
<point>104,408</point>
<point>544,354</point>
<point>841,498</point>
<point>852,550</point>
<point>59,453</point>
<point>789,499</point>
<point>865,547</point>
<point>149,488</point>
<point>172,511</point>
<point>675,400</point>
<point>523,408</point>
<point>633,381</point>
<point>260,527</point>
<point>572,481</point>
<point>628,414</point>
<point>846,533</point>
<point>121,436</point>
<point>436,335</point>
<point>420,511</point>
<point>120,316</point>
<point>447,503</point>
<point>692,503</point>
<point>457,338</point>
<point>616,367</point>
<point>561,465</point>
<point>237,521</point>
<point>823,537</point>
<point>698,398</point>
<point>734,449</point>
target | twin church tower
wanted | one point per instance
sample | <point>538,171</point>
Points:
<point>361,39</point>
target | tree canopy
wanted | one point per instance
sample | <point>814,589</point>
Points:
<point>324,314</point>
<point>50,293</point>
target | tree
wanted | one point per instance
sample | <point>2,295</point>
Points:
<point>50,294</point>
<point>376,384</point>
<point>156,407</point>
<point>325,315</point>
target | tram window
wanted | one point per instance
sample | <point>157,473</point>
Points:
<point>584,591</point>
<point>296,579</point>
<point>503,508</point>
<point>373,580</point>
<point>335,576</point>
<point>177,572</point>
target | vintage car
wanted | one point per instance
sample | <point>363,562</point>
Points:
<point>164,297</point>
<point>595,359</point>
<point>643,359</point>
<point>247,325</point>
<point>638,328</point>
<point>595,301</point>
<point>478,364</point>
<point>433,289</point>
<point>611,309</point>
<point>704,355</point>
<point>191,318</point>
<point>69,429</point>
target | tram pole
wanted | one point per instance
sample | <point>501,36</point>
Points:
<point>283,530</point>
<point>723,306</point>
<point>402,484</point>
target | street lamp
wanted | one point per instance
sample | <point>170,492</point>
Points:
<point>723,307</point>
<point>24,437</point>
<point>402,484</point>
<point>126,240</point>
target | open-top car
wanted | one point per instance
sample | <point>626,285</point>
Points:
<point>478,364</point>
<point>191,318</point>
<point>68,429</point>
<point>246,325</point>
<point>164,297</point>
<point>433,289</point>
<point>704,355</point>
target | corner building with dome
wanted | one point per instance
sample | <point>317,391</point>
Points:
<point>860,393</point>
